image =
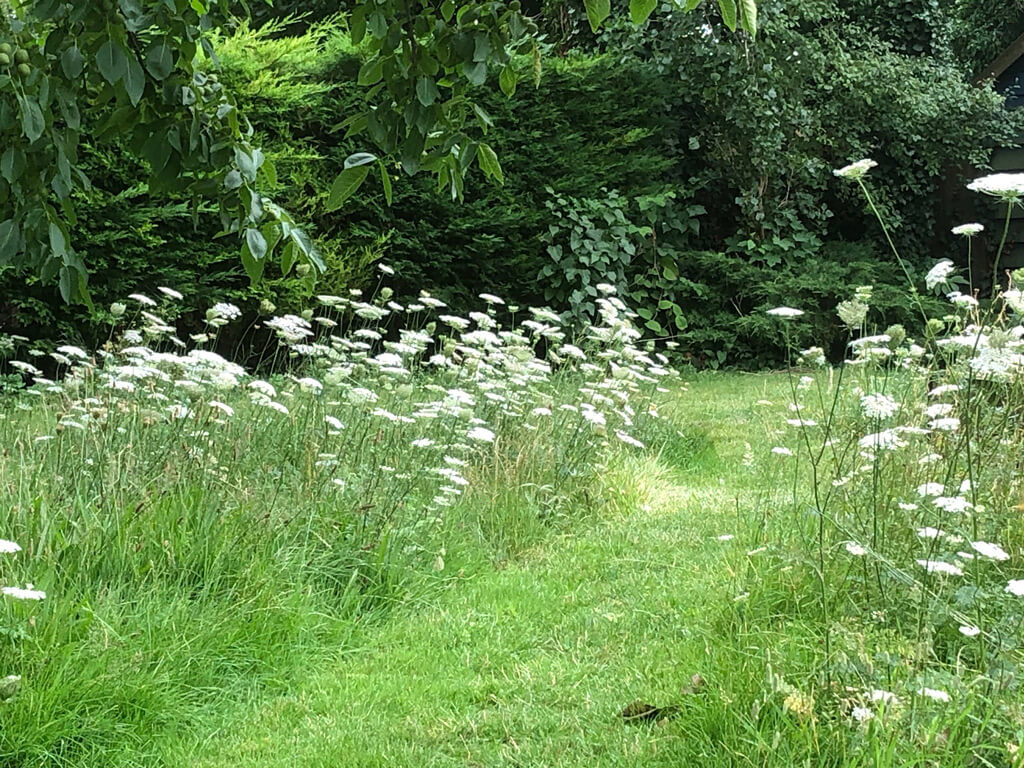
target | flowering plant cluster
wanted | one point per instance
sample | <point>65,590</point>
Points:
<point>909,452</point>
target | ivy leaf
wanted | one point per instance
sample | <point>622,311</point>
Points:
<point>640,10</point>
<point>728,8</point>
<point>112,62</point>
<point>345,186</point>
<point>597,12</point>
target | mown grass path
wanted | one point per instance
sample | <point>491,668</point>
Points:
<point>532,664</point>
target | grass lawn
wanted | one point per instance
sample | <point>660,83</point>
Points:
<point>532,663</point>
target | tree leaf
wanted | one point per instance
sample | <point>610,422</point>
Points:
<point>112,62</point>
<point>507,80</point>
<point>640,10</point>
<point>487,159</point>
<point>728,9</point>
<point>371,72</point>
<point>357,24</point>
<point>10,240</point>
<point>359,158</point>
<point>257,243</point>
<point>597,12</point>
<point>12,164</point>
<point>134,81</point>
<point>160,59</point>
<point>345,186</point>
<point>385,181</point>
<point>72,62</point>
<point>32,121</point>
<point>748,16</point>
<point>426,91</point>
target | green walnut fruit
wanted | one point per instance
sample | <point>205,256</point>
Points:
<point>24,70</point>
<point>5,60</point>
<point>6,49</point>
<point>21,56</point>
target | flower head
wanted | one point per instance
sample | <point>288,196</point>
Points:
<point>939,274</point>
<point>1008,186</point>
<point>968,230</point>
<point>24,594</point>
<point>785,312</point>
<point>990,550</point>
<point>855,171</point>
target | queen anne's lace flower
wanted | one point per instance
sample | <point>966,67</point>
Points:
<point>785,312</point>
<point>990,550</point>
<point>938,566</point>
<point>1009,186</point>
<point>855,171</point>
<point>939,274</point>
<point>968,230</point>
<point>878,406</point>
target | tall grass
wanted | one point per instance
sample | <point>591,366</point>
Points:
<point>896,526</point>
<point>200,532</point>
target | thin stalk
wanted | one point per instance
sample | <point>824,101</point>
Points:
<point>892,247</point>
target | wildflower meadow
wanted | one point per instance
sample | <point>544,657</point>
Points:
<point>511,384</point>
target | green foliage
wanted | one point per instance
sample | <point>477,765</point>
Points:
<point>981,29</point>
<point>614,241</point>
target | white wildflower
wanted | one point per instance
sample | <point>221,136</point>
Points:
<point>878,406</point>
<point>1015,587</point>
<point>855,549</point>
<point>1009,186</point>
<point>939,274</point>
<point>142,299</point>
<point>938,566</point>
<point>962,299</point>
<point>855,171</point>
<point>24,594</point>
<point>785,312</point>
<point>628,439</point>
<point>481,434</point>
<point>955,504</point>
<point>8,547</point>
<point>990,550</point>
<point>886,440</point>
<point>934,694</point>
<point>862,714</point>
<point>948,424</point>
<point>968,230</point>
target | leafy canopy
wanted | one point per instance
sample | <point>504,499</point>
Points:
<point>143,72</point>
